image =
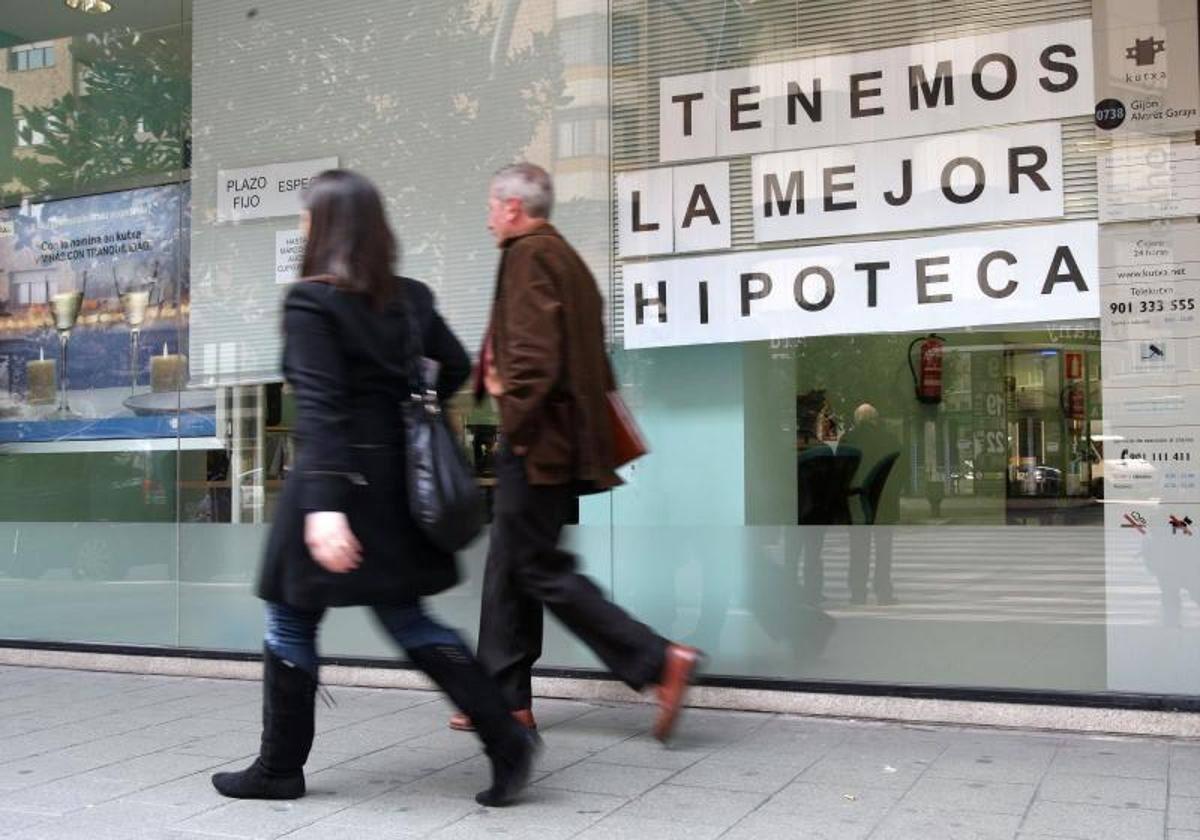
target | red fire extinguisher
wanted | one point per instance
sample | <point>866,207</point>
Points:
<point>1076,407</point>
<point>927,376</point>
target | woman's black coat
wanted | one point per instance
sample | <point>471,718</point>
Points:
<point>348,366</point>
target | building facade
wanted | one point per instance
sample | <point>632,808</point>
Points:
<point>902,294</point>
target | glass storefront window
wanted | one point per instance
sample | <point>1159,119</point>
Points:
<point>94,434</point>
<point>872,462</point>
<point>901,294</point>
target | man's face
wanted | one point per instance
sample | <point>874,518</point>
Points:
<point>501,217</point>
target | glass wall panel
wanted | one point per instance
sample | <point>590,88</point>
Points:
<point>96,424</point>
<point>907,318</point>
<point>828,526</point>
<point>871,462</point>
<point>428,100</point>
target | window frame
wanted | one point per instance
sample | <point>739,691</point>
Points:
<point>21,59</point>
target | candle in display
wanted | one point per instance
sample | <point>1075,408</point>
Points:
<point>168,372</point>
<point>41,374</point>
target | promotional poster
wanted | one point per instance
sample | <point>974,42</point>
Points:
<point>94,301</point>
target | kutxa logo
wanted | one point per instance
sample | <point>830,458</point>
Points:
<point>1145,51</point>
<point>1178,525</point>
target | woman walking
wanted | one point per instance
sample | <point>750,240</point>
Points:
<point>343,535</point>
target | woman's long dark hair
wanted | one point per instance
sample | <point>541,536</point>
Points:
<point>349,238</point>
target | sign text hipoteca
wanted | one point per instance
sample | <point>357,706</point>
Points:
<point>1003,276</point>
<point>943,134</point>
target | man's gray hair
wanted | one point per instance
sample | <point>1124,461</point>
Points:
<point>528,183</point>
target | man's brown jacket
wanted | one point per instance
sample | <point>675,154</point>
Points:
<point>548,335</point>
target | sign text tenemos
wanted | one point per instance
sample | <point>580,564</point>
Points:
<point>983,277</point>
<point>1035,73</point>
<point>267,191</point>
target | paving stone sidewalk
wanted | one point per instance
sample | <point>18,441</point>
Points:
<point>118,756</point>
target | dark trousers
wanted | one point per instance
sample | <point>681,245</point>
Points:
<point>860,561</point>
<point>812,545</point>
<point>526,570</point>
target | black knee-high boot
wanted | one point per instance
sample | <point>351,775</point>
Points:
<point>289,693</point>
<point>511,747</point>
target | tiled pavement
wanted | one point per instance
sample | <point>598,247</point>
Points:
<point>113,757</point>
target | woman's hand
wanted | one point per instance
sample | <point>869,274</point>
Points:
<point>331,542</point>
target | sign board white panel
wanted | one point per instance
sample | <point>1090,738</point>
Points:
<point>1017,275</point>
<point>1030,74</point>
<point>267,191</point>
<point>644,213</point>
<point>1146,63</point>
<point>945,180</point>
<point>1148,177</point>
<point>289,255</point>
<point>701,205</point>
<point>673,210</point>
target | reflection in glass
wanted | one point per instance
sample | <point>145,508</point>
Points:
<point>94,194</point>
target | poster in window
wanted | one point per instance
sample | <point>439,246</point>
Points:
<point>106,276</point>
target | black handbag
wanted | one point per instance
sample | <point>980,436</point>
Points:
<point>443,497</point>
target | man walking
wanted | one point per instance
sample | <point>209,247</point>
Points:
<point>881,465</point>
<point>543,361</point>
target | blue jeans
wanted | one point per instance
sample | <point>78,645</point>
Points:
<point>292,633</point>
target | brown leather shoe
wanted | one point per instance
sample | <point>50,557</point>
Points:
<point>462,723</point>
<point>677,673</point>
